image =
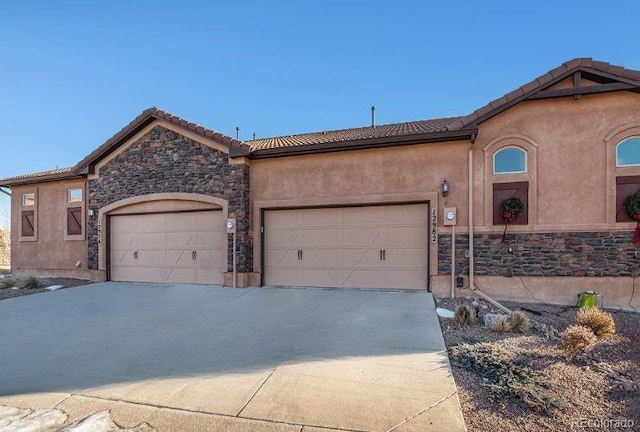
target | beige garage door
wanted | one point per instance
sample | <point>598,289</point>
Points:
<point>168,247</point>
<point>351,247</point>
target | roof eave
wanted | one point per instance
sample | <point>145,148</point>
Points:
<point>363,144</point>
<point>42,179</point>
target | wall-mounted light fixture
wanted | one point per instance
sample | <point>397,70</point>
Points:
<point>445,188</point>
<point>91,212</point>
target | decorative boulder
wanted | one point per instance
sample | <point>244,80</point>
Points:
<point>490,317</point>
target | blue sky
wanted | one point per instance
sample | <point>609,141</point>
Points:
<point>73,73</point>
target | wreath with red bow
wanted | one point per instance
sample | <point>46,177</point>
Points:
<point>510,209</point>
<point>632,206</point>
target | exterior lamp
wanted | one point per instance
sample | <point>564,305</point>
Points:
<point>445,188</point>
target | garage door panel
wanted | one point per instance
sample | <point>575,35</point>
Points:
<point>364,278</point>
<point>363,216</point>
<point>362,236</point>
<point>342,247</point>
<point>152,223</point>
<point>406,279</point>
<point>410,235</point>
<point>180,275</point>
<point>320,217</point>
<point>151,240</point>
<point>319,237</point>
<point>317,277</point>
<point>164,244</point>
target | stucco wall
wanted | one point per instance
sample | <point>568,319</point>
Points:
<point>163,161</point>
<point>50,251</point>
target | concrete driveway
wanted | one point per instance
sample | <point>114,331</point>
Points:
<point>193,357</point>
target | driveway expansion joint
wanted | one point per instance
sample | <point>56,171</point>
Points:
<point>423,411</point>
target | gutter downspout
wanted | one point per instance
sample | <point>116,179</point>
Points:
<point>472,283</point>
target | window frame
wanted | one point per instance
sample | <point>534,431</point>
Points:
<point>526,160</point>
<point>73,201</point>
<point>618,165</point>
<point>75,204</point>
<point>28,208</point>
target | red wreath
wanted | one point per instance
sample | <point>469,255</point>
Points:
<point>510,209</point>
<point>632,206</point>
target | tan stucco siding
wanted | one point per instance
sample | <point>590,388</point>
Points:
<point>50,250</point>
<point>573,178</point>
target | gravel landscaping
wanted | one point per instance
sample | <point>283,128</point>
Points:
<point>523,381</point>
<point>12,287</point>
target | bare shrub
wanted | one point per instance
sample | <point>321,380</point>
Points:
<point>7,283</point>
<point>518,322</point>
<point>577,339</point>
<point>29,282</point>
<point>500,325</point>
<point>600,322</point>
<point>464,315</point>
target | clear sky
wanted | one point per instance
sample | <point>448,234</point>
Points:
<point>73,73</point>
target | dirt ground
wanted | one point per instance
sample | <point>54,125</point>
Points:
<point>596,392</point>
<point>7,293</point>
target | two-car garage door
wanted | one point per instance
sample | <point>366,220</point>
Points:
<point>179,247</point>
<point>358,247</point>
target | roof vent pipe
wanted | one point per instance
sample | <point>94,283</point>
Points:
<point>373,116</point>
<point>237,132</point>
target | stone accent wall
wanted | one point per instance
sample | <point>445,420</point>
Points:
<point>544,254</point>
<point>5,248</point>
<point>164,161</point>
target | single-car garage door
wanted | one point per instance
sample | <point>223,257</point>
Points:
<point>351,247</point>
<point>182,247</point>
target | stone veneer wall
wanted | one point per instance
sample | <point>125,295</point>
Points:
<point>5,248</point>
<point>164,161</point>
<point>544,254</point>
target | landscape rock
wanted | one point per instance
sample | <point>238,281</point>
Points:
<point>490,317</point>
<point>445,313</point>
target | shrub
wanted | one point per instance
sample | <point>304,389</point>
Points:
<point>464,315</point>
<point>500,325</point>
<point>518,322</point>
<point>29,282</point>
<point>7,283</point>
<point>600,322</point>
<point>576,339</point>
<point>507,372</point>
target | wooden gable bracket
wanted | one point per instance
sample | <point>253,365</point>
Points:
<point>609,83</point>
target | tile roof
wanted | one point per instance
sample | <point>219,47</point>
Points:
<point>147,117</point>
<point>56,174</point>
<point>354,134</point>
<point>521,93</point>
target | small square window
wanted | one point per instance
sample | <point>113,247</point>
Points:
<point>74,195</point>
<point>28,199</point>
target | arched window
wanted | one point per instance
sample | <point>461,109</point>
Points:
<point>628,152</point>
<point>510,160</point>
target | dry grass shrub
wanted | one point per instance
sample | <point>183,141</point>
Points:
<point>507,372</point>
<point>518,322</point>
<point>464,315</point>
<point>600,322</point>
<point>29,282</point>
<point>577,339</point>
<point>500,325</point>
<point>7,283</point>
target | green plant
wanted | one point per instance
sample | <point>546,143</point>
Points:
<point>577,339</point>
<point>507,372</point>
<point>7,283</point>
<point>500,325</point>
<point>518,322</point>
<point>600,322</point>
<point>464,315</point>
<point>29,282</point>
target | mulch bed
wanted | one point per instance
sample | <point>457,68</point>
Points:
<point>588,388</point>
<point>8,293</point>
